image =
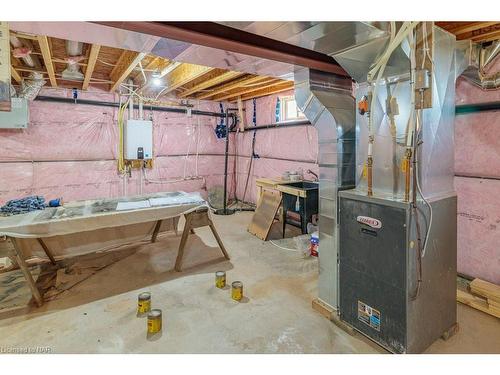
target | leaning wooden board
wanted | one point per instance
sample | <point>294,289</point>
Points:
<point>265,213</point>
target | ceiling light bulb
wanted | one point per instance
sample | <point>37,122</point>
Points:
<point>156,81</point>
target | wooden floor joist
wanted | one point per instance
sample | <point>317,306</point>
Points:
<point>126,64</point>
<point>246,80</point>
<point>43,42</point>
<point>210,82</point>
<point>15,74</point>
<point>94,52</point>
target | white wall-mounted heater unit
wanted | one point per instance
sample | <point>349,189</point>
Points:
<point>138,140</point>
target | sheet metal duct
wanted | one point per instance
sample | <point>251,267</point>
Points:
<point>354,45</point>
<point>156,38</point>
<point>74,51</point>
<point>327,102</point>
<point>30,60</point>
<point>475,61</point>
<point>31,86</point>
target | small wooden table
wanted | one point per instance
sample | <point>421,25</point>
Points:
<point>266,184</point>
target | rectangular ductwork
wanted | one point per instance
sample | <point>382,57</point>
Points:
<point>327,102</point>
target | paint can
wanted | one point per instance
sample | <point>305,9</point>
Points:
<point>237,290</point>
<point>154,321</point>
<point>143,303</point>
<point>220,279</point>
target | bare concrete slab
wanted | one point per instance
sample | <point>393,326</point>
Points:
<point>98,315</point>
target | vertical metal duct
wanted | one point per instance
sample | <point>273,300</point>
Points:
<point>478,58</point>
<point>30,60</point>
<point>326,101</point>
<point>72,71</point>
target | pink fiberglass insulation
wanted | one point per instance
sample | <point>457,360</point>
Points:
<point>279,150</point>
<point>478,228</point>
<point>70,151</point>
<point>477,146</point>
<point>62,132</point>
<point>477,154</point>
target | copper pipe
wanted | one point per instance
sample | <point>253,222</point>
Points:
<point>407,174</point>
<point>369,166</point>
<point>211,34</point>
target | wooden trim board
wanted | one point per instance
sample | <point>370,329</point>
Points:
<point>329,313</point>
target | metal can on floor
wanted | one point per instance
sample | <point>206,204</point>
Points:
<point>237,290</point>
<point>154,321</point>
<point>144,303</point>
<point>220,279</point>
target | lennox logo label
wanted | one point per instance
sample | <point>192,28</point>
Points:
<point>374,223</point>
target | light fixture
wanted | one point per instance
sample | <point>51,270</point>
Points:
<point>156,76</point>
<point>156,81</point>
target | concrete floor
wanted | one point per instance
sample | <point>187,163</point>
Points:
<point>99,314</point>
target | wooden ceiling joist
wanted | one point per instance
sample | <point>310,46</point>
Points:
<point>268,91</point>
<point>210,82</point>
<point>476,31</point>
<point>30,70</point>
<point>94,52</point>
<point>182,75</point>
<point>112,67</point>
<point>469,27</point>
<point>125,65</point>
<point>231,85</point>
<point>23,35</point>
<point>43,42</point>
<point>246,90</point>
<point>491,33</point>
<point>153,64</point>
<point>490,37</point>
<point>15,74</point>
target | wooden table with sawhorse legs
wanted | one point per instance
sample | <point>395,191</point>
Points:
<point>196,219</point>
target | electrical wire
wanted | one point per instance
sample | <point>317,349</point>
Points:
<point>253,155</point>
<point>428,229</point>
<point>284,248</point>
<point>142,71</point>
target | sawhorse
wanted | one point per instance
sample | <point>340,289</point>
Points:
<point>197,219</point>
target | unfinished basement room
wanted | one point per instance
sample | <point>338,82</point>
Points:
<point>204,186</point>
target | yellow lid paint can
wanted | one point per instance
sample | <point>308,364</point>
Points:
<point>144,303</point>
<point>220,279</point>
<point>154,321</point>
<point>237,290</point>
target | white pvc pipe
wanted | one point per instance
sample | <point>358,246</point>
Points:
<point>131,109</point>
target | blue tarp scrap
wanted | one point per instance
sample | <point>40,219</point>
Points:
<point>23,205</point>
